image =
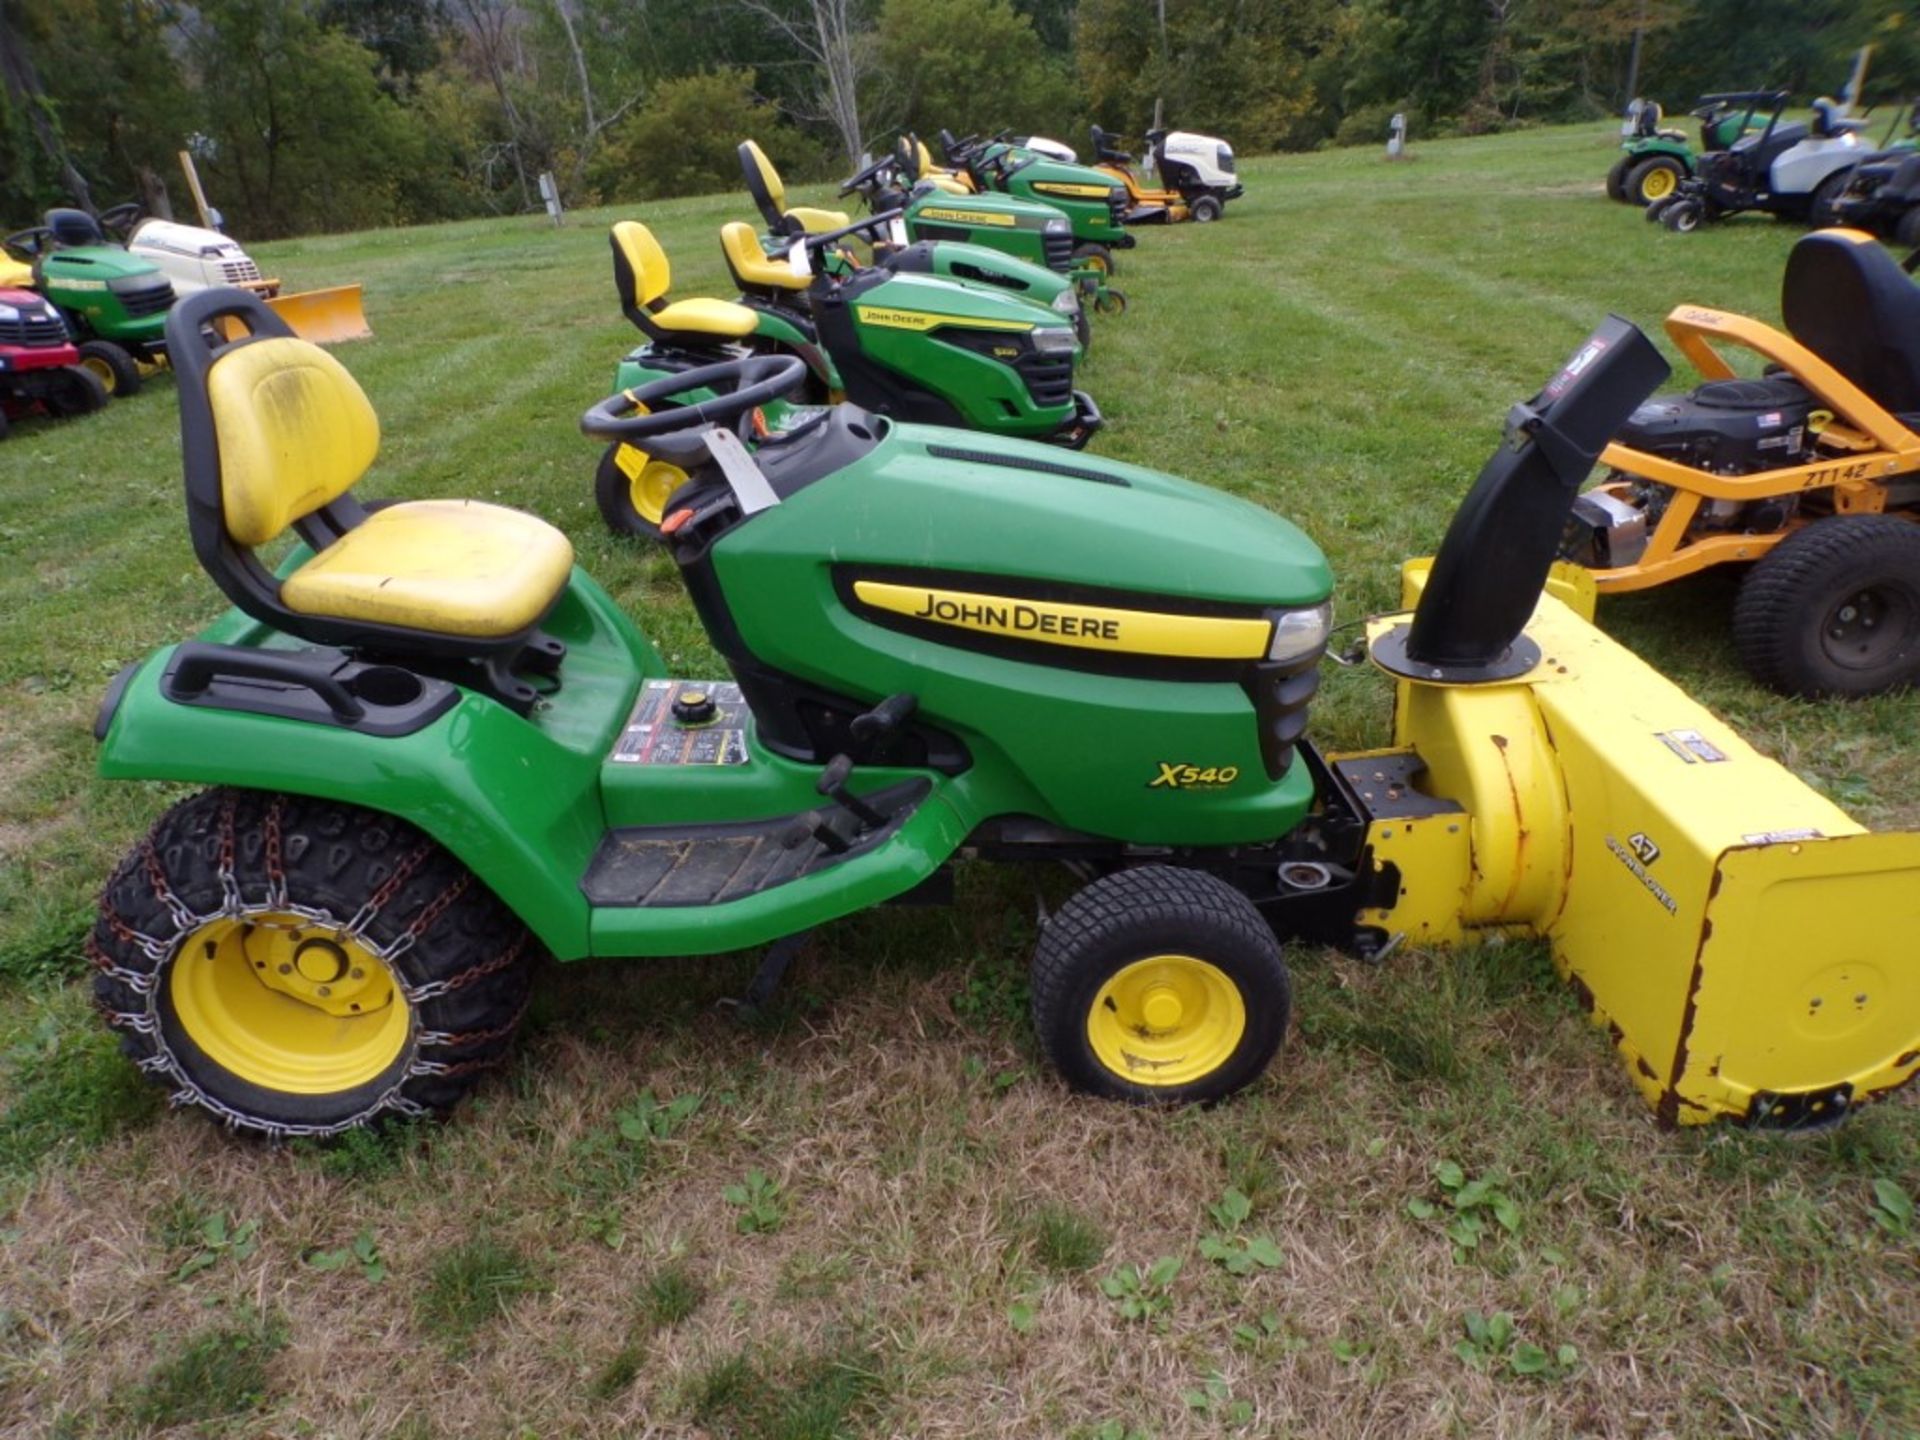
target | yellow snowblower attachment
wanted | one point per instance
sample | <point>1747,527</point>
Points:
<point>1750,948</point>
<point>325,317</point>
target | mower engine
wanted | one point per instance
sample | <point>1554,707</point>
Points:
<point>1725,427</point>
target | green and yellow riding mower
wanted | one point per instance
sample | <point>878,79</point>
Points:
<point>436,748</point>
<point>1655,159</point>
<point>1008,244</point>
<point>1095,203</point>
<point>906,345</point>
<point>114,302</point>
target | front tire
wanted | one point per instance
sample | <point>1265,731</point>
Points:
<point>72,391</point>
<point>1907,232</point>
<point>1823,209</point>
<point>1159,985</point>
<point>1834,609</point>
<point>632,490</point>
<point>1205,209</point>
<point>298,967</point>
<point>1092,256</point>
<point>1655,178</point>
<point>112,366</point>
<point>1683,216</point>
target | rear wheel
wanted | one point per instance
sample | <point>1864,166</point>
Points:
<point>1834,609</point>
<point>72,390</point>
<point>5,424</point>
<point>1205,209</point>
<point>633,489</point>
<point>1617,178</point>
<point>112,366</point>
<point>1823,209</point>
<point>1159,985</point>
<point>1654,178</point>
<point>299,967</point>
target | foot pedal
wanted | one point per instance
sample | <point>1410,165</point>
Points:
<point>815,825</point>
<point>833,785</point>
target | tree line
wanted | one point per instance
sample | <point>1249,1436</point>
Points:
<point>310,115</point>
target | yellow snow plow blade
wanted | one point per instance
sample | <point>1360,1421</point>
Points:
<point>1750,948</point>
<point>325,317</point>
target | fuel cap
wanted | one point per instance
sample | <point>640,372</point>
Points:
<point>693,706</point>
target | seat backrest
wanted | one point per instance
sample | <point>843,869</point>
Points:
<point>764,184</point>
<point>74,227</point>
<point>750,265</point>
<point>641,273</point>
<point>1847,300</point>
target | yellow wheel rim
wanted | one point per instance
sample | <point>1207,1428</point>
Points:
<point>1659,183</point>
<point>100,371</point>
<point>288,1005</point>
<point>1167,1020</point>
<point>650,483</point>
<point>1098,262</point>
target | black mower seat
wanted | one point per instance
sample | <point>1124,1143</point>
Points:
<point>641,274</point>
<point>74,228</point>
<point>1847,300</point>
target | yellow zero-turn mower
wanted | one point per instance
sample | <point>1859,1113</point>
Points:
<point>1808,475</point>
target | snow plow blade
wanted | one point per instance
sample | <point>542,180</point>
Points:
<point>325,317</point>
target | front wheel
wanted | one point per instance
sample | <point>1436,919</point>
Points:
<point>1205,209</point>
<point>297,967</point>
<point>1834,609</point>
<point>1907,232</point>
<point>1159,985</point>
<point>1093,256</point>
<point>1824,208</point>
<point>1683,216</point>
<point>1110,301</point>
<point>632,490</point>
<point>112,366</point>
<point>70,391</point>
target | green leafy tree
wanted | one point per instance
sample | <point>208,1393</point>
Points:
<point>683,140</point>
<point>973,66</point>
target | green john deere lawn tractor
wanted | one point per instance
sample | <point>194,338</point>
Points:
<point>1654,160</point>
<point>435,749</point>
<point>903,344</point>
<point>1095,203</point>
<point>114,302</point>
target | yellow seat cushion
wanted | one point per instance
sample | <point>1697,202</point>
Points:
<point>818,222</point>
<point>751,265</point>
<point>706,317</point>
<point>949,184</point>
<point>452,567</point>
<point>14,275</point>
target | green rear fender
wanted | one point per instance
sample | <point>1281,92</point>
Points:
<point>517,800</point>
<point>1645,149</point>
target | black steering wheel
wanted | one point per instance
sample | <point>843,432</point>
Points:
<point>29,244</point>
<point>753,381</point>
<point>867,176</point>
<point>122,217</point>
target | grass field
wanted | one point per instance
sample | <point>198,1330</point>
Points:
<point>877,1214</point>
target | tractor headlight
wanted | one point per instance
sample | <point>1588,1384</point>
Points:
<point>1055,340</point>
<point>1067,302</point>
<point>1300,633</point>
<point>1059,225</point>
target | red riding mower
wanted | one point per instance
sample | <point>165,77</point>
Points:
<point>39,365</point>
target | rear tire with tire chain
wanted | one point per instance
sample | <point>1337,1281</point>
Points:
<point>1129,916</point>
<point>1800,622</point>
<point>465,975</point>
<point>112,366</point>
<point>1617,177</point>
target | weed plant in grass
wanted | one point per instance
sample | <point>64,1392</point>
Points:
<point>1342,350</point>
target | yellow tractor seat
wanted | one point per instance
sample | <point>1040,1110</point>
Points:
<point>14,275</point>
<point>454,567</point>
<point>818,222</point>
<point>641,275</point>
<point>949,184</point>
<point>275,434</point>
<point>751,266</point>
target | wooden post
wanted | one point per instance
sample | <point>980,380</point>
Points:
<point>199,195</point>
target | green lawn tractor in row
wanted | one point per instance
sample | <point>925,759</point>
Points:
<point>900,343</point>
<point>434,748</point>
<point>1095,203</point>
<point>114,302</point>
<point>1654,160</point>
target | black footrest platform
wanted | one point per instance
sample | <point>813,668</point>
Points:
<point>649,865</point>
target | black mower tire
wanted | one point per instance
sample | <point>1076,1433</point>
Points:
<point>1142,913</point>
<point>1617,178</point>
<point>112,366</point>
<point>1683,216</point>
<point>1111,300</point>
<point>469,964</point>
<point>1906,231</point>
<point>5,424</point>
<point>1092,256</point>
<point>1822,208</point>
<point>1834,609</point>
<point>1636,182</point>
<point>613,492</point>
<point>1205,209</point>
<point>71,392</point>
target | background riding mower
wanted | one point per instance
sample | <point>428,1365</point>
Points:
<point>1094,203</point>
<point>1196,172</point>
<point>901,344</point>
<point>1883,190</point>
<point>195,258</point>
<point>114,303</point>
<point>39,366</point>
<point>1796,171</point>
<point>1009,244</point>
<point>1656,160</point>
<point>343,929</point>
<point>1809,476</point>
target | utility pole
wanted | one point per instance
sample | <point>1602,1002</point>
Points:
<point>1633,61</point>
